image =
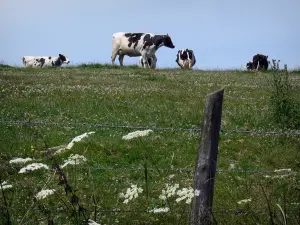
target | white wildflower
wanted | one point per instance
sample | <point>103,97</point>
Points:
<point>135,134</point>
<point>4,185</point>
<point>231,166</point>
<point>74,159</point>
<point>244,201</point>
<point>187,194</point>
<point>44,193</point>
<point>171,176</point>
<point>282,170</point>
<point>169,191</point>
<point>92,222</point>
<point>131,193</point>
<point>76,139</point>
<point>20,160</point>
<point>33,166</point>
<point>160,210</point>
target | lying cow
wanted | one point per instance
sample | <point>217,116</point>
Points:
<point>138,44</point>
<point>185,58</point>
<point>260,62</point>
<point>45,61</point>
<point>151,61</point>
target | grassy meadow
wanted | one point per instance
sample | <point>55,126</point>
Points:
<point>56,105</point>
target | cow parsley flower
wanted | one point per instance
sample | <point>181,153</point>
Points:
<point>20,160</point>
<point>33,166</point>
<point>135,134</point>
<point>187,194</point>
<point>131,193</point>
<point>92,222</point>
<point>74,140</point>
<point>244,201</point>
<point>4,185</point>
<point>44,193</point>
<point>160,210</point>
<point>74,159</point>
<point>169,191</point>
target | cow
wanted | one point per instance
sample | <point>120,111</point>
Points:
<point>260,62</point>
<point>151,61</point>
<point>45,61</point>
<point>249,65</point>
<point>185,58</point>
<point>138,44</point>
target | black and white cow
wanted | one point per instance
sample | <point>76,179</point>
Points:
<point>45,61</point>
<point>260,62</point>
<point>138,44</point>
<point>185,58</point>
<point>151,61</point>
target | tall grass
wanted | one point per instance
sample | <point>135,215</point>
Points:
<point>71,101</point>
<point>284,98</point>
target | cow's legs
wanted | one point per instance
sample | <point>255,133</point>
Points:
<point>121,57</point>
<point>145,60</point>
<point>114,55</point>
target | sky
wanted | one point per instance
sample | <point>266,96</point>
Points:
<point>224,34</point>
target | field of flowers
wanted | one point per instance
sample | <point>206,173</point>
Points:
<point>113,145</point>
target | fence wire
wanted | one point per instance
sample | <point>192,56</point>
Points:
<point>217,211</point>
<point>180,170</point>
<point>119,126</point>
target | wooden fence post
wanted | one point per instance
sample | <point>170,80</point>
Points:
<point>207,160</point>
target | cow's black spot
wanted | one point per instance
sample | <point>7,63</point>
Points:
<point>42,61</point>
<point>49,57</point>
<point>159,40</point>
<point>184,55</point>
<point>52,63</point>
<point>262,60</point>
<point>133,39</point>
<point>62,57</point>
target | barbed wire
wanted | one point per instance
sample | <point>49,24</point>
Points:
<point>217,211</point>
<point>118,126</point>
<point>161,169</point>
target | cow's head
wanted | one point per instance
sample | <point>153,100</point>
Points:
<point>167,41</point>
<point>64,58</point>
<point>249,65</point>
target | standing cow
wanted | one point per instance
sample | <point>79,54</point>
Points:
<point>138,44</point>
<point>185,58</point>
<point>260,62</point>
<point>45,61</point>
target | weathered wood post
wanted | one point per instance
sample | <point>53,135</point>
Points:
<point>207,160</point>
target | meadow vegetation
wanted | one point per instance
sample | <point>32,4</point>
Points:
<point>71,123</point>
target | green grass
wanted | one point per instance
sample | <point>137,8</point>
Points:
<point>132,96</point>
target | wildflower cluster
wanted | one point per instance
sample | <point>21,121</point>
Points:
<point>131,193</point>
<point>4,185</point>
<point>169,191</point>
<point>20,160</point>
<point>33,166</point>
<point>136,134</point>
<point>183,194</point>
<point>74,140</point>
<point>160,210</point>
<point>73,160</point>
<point>44,193</point>
<point>187,194</point>
<point>244,201</point>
